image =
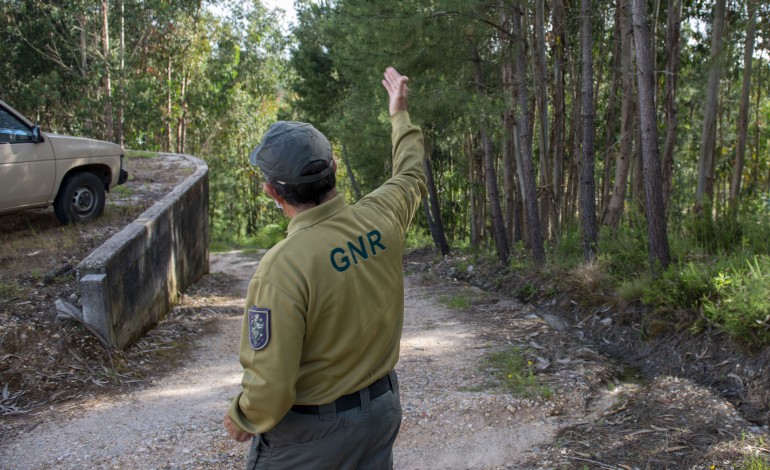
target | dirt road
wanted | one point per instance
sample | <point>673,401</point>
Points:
<point>455,415</point>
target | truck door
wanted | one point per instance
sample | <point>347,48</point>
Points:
<point>27,168</point>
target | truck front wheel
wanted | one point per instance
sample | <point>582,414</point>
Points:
<point>80,199</point>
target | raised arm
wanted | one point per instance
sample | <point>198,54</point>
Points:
<point>398,91</point>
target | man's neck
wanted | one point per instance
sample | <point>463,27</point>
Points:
<point>292,211</point>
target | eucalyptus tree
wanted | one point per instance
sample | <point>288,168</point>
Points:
<point>656,220</point>
<point>743,111</point>
<point>705,188</point>
<point>618,197</point>
<point>587,182</point>
<point>526,165</point>
<point>673,48</point>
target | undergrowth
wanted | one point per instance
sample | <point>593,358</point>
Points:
<point>719,275</point>
<point>515,373</point>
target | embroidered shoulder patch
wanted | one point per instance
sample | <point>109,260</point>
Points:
<point>259,327</point>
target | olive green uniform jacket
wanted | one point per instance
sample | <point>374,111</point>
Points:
<point>334,289</point>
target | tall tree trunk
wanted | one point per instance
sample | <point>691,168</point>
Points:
<point>490,175</point>
<point>673,28</point>
<point>527,169</point>
<point>169,109</point>
<point>476,199</point>
<point>109,129</point>
<point>541,89</point>
<point>611,117</point>
<point>436,225</point>
<point>351,175</point>
<point>181,129</point>
<point>656,214</point>
<point>708,136</point>
<point>559,27</point>
<point>587,182</point>
<point>83,23</point>
<point>509,147</point>
<point>122,78</point>
<point>757,126</point>
<point>743,113</point>
<point>623,163</point>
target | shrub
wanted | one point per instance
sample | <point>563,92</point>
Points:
<point>742,303</point>
<point>680,287</point>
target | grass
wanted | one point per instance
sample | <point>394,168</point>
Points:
<point>10,291</point>
<point>515,373</point>
<point>456,301</point>
<point>755,463</point>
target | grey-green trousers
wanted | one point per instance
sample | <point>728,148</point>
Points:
<point>357,439</point>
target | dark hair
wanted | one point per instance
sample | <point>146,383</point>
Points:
<point>307,193</point>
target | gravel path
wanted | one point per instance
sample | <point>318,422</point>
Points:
<point>176,421</point>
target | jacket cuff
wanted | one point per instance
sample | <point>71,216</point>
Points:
<point>238,418</point>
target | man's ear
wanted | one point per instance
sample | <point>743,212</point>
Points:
<point>270,190</point>
<point>334,164</point>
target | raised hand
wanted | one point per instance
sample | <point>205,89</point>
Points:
<point>398,91</point>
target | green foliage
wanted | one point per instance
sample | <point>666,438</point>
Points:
<point>681,287</point>
<point>418,237</point>
<point>755,463</point>
<point>10,290</point>
<point>526,292</point>
<point>512,369</point>
<point>624,253</point>
<point>741,303</point>
<point>633,289</point>
<point>715,236</point>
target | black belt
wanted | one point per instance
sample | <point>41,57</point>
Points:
<point>347,402</point>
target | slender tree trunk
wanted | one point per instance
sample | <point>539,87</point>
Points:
<point>181,129</point>
<point>611,117</point>
<point>476,201</point>
<point>743,114</point>
<point>490,175</point>
<point>757,127</point>
<point>509,147</point>
<point>656,214</point>
<point>436,224</point>
<point>122,79</point>
<point>509,176</point>
<point>541,89</point>
<point>708,137</point>
<point>83,23</point>
<point>109,129</point>
<point>623,163</point>
<point>351,175</point>
<point>587,182</point>
<point>673,28</point>
<point>169,109</point>
<point>559,27</point>
<point>571,202</point>
<point>527,170</point>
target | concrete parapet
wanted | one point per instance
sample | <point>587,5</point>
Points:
<point>130,282</point>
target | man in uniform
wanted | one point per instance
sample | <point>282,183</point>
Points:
<point>325,308</point>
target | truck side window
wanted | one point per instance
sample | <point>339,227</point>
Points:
<point>12,130</point>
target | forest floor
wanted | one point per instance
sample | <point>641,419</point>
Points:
<point>596,393</point>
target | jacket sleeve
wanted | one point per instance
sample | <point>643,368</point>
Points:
<point>401,194</point>
<point>269,374</point>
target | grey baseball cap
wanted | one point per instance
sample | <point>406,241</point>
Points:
<point>287,148</point>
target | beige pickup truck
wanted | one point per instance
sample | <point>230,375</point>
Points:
<point>38,169</point>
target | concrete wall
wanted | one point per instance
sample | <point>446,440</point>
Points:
<point>130,282</point>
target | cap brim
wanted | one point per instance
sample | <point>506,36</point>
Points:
<point>253,155</point>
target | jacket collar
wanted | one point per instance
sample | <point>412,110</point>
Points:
<point>317,214</point>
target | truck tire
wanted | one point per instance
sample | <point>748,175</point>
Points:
<point>80,199</point>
